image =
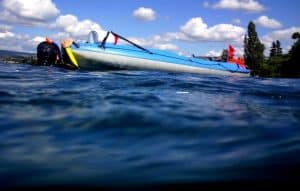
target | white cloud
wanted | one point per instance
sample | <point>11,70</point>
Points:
<point>167,46</point>
<point>286,49</point>
<point>214,53</point>
<point>23,43</point>
<point>144,14</point>
<point>156,41</point>
<point>266,22</point>
<point>75,28</point>
<point>195,27</point>
<point>197,30</point>
<point>239,51</point>
<point>38,39</point>
<point>245,5</point>
<point>284,36</point>
<point>33,12</point>
<point>6,34</point>
<point>19,42</point>
<point>40,13</point>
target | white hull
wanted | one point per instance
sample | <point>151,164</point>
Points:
<point>102,60</point>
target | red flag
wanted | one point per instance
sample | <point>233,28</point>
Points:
<point>116,39</point>
<point>231,49</point>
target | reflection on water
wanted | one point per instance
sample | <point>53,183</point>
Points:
<point>136,128</point>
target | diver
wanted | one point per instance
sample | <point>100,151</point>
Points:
<point>49,54</point>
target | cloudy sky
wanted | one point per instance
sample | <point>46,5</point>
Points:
<point>202,27</point>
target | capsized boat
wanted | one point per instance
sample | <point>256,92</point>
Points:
<point>93,55</point>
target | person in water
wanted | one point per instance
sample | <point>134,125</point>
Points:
<point>49,54</point>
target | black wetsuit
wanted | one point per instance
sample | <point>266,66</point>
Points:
<point>49,54</point>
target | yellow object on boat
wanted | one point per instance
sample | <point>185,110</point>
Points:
<point>72,57</point>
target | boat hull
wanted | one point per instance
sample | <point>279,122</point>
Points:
<point>91,57</point>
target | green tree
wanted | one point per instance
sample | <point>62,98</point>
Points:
<point>273,50</point>
<point>296,36</point>
<point>294,62</point>
<point>254,49</point>
<point>295,48</point>
<point>276,49</point>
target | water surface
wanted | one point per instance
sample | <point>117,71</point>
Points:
<point>130,128</point>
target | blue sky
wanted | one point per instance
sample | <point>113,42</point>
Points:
<point>202,27</point>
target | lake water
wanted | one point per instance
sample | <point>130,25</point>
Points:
<point>136,128</point>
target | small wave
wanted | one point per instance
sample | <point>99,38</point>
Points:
<point>5,77</point>
<point>6,94</point>
<point>150,83</point>
<point>133,99</point>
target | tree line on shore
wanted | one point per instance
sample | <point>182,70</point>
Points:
<point>277,64</point>
<point>17,59</point>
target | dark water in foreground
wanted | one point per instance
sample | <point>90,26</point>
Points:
<point>131,128</point>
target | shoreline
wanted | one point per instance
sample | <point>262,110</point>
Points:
<point>19,59</point>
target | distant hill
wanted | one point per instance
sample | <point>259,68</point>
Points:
<point>14,53</point>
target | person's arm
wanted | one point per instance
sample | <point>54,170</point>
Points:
<point>66,62</point>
